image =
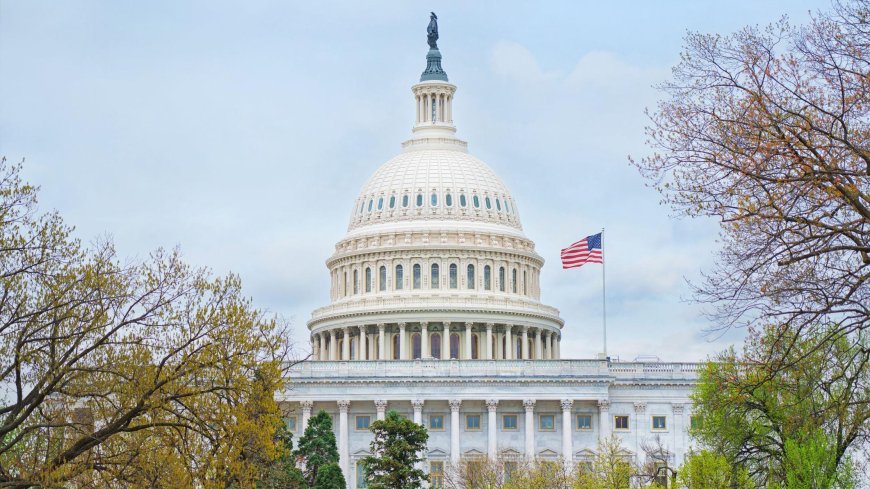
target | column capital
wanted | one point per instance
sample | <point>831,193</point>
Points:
<point>489,326</point>
<point>604,405</point>
<point>346,330</point>
<point>343,405</point>
<point>417,404</point>
<point>640,407</point>
<point>491,405</point>
<point>381,404</point>
<point>362,328</point>
<point>424,324</point>
<point>381,326</point>
<point>529,404</point>
<point>567,404</point>
<point>454,404</point>
<point>402,325</point>
<point>469,325</point>
<point>525,328</point>
<point>332,333</point>
<point>307,404</point>
<point>677,408</point>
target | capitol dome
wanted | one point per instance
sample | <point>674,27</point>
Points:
<point>435,263</point>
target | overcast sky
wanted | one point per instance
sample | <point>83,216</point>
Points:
<point>243,131</point>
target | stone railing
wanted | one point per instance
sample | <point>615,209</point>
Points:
<point>422,369</point>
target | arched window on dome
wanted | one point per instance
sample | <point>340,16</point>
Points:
<point>475,200</point>
<point>433,200</point>
<point>380,203</point>
<point>405,200</point>
<point>525,284</point>
<point>400,277</point>
<point>362,206</point>
<point>356,281</point>
<point>462,201</point>
<point>497,204</point>
<point>470,277</point>
<point>488,203</point>
<point>419,200</point>
<point>392,202</point>
<point>448,200</point>
<point>371,204</point>
<point>487,277</point>
<point>416,346</point>
<point>435,345</point>
<point>475,347</point>
<point>396,349</point>
<point>518,350</point>
<point>514,281</point>
<point>417,276</point>
<point>346,289</point>
<point>368,279</point>
<point>382,279</point>
<point>501,278</point>
<point>435,279</point>
<point>454,346</point>
<point>507,206</point>
<point>453,276</point>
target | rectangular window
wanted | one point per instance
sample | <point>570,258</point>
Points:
<point>436,475</point>
<point>659,423</point>
<point>695,422</point>
<point>620,423</point>
<point>509,422</point>
<point>584,422</point>
<point>436,422</point>
<point>547,422</point>
<point>472,422</point>
<point>361,479</point>
<point>509,469</point>
<point>363,422</point>
<point>291,423</point>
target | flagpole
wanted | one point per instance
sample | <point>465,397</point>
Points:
<point>603,296</point>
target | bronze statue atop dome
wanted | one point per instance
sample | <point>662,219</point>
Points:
<point>432,31</point>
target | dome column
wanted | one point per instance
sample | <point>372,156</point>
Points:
<point>362,354</point>
<point>509,346</point>
<point>315,347</point>
<point>539,348</point>
<point>425,352</point>
<point>468,334</point>
<point>403,349</point>
<point>445,341</point>
<point>489,352</point>
<point>345,345</point>
<point>551,340</point>
<point>382,344</point>
<point>333,345</point>
<point>525,346</point>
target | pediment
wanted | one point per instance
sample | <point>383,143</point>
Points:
<point>584,454</point>
<point>546,453</point>
<point>510,453</point>
<point>361,453</point>
<point>473,454</point>
<point>437,453</point>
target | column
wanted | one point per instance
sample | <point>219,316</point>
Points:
<point>381,407</point>
<point>604,423</point>
<point>679,433</point>
<point>425,352</point>
<point>468,334</point>
<point>343,449</point>
<point>529,404</point>
<point>539,349</point>
<point>639,425</point>
<point>306,415</point>
<point>345,345</point>
<point>382,343</point>
<point>509,346</point>
<point>403,350</point>
<point>324,353</point>
<point>454,431</point>
<point>315,348</point>
<point>558,348</point>
<point>567,439</point>
<point>445,341</point>
<point>417,404</point>
<point>363,352</point>
<point>550,346</point>
<point>491,429</point>
<point>333,345</point>
<point>488,345</point>
<point>525,347</point>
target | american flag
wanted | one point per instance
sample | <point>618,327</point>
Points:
<point>587,250</point>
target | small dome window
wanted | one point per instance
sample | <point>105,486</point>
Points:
<point>380,203</point>
<point>498,204</point>
<point>392,201</point>
<point>419,200</point>
<point>448,199</point>
<point>371,203</point>
<point>405,200</point>
<point>362,206</point>
<point>474,199</point>
<point>434,199</point>
<point>488,203</point>
<point>507,206</point>
<point>462,202</point>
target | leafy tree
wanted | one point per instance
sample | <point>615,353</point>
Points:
<point>282,472</point>
<point>329,477</point>
<point>317,446</point>
<point>125,373</point>
<point>608,469</point>
<point>707,470</point>
<point>397,449</point>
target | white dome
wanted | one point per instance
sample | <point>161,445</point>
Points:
<point>434,185</point>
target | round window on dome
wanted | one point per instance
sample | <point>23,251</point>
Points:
<point>448,199</point>
<point>488,202</point>
<point>419,200</point>
<point>462,202</point>
<point>434,199</point>
<point>474,199</point>
<point>405,200</point>
<point>392,201</point>
<point>380,203</point>
<point>498,204</point>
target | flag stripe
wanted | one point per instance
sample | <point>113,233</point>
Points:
<point>587,250</point>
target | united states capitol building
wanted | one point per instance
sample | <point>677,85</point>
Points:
<point>435,311</point>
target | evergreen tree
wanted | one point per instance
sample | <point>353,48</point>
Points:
<point>317,446</point>
<point>397,449</point>
<point>282,472</point>
<point>329,477</point>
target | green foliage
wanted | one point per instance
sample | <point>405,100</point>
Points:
<point>608,469</point>
<point>708,470</point>
<point>812,464</point>
<point>317,446</point>
<point>397,449</point>
<point>329,477</point>
<point>282,473</point>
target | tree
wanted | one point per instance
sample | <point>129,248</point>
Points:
<point>397,449</point>
<point>282,473</point>
<point>329,477</point>
<point>767,131</point>
<point>707,470</point>
<point>610,467</point>
<point>121,373</point>
<point>317,447</point>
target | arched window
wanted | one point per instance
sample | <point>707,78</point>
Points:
<point>514,281</point>
<point>497,204</point>
<point>346,293</point>
<point>392,201</point>
<point>417,276</point>
<point>435,279</point>
<point>453,276</point>
<point>454,346</point>
<point>405,200</point>
<point>470,277</point>
<point>356,281</point>
<point>475,347</point>
<point>382,279</point>
<point>501,279</point>
<point>507,206</point>
<point>396,349</point>
<point>371,203</point>
<point>415,345</point>
<point>434,199</point>
<point>525,284</point>
<point>400,277</point>
<point>419,200</point>
<point>488,202</point>
<point>435,345</point>
<point>518,353</point>
<point>475,200</point>
<point>462,201</point>
<point>487,278</point>
<point>368,279</point>
<point>448,199</point>
<point>380,203</point>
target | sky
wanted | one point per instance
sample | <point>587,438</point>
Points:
<point>242,132</point>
